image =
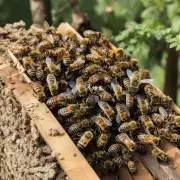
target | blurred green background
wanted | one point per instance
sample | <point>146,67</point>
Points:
<point>144,28</point>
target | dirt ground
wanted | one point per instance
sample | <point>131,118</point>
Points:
<point>23,153</point>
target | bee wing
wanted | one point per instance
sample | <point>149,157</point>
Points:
<point>79,50</point>
<point>162,111</point>
<point>109,122</point>
<point>72,84</point>
<point>81,61</point>
<point>148,81</point>
<point>118,118</point>
<point>129,73</point>
<point>48,37</point>
<point>48,60</point>
<point>113,82</point>
<point>147,102</point>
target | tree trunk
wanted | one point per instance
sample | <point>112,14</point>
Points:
<point>171,77</point>
<point>41,11</point>
<point>80,21</point>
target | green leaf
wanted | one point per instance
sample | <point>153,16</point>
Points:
<point>178,48</point>
<point>171,40</point>
<point>173,45</point>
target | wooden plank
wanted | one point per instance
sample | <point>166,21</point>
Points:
<point>142,172</point>
<point>67,154</point>
<point>159,171</point>
<point>124,174</point>
<point>174,154</point>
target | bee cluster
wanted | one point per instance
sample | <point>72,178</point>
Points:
<point>107,104</point>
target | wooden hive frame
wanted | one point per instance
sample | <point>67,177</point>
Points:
<point>69,157</point>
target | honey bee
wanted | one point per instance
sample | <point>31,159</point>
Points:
<point>102,140</point>
<point>141,148</point>
<point>160,154</point>
<point>50,53</point>
<point>126,82</point>
<point>91,69</point>
<point>76,65</point>
<point>122,113</point>
<point>147,122</point>
<point>39,90</point>
<point>142,104</point>
<point>52,84</point>
<point>85,44</point>
<point>48,29</point>
<point>124,65</point>
<point>92,100</point>
<point>98,155</point>
<point>85,139</point>
<point>60,52</point>
<point>35,54</point>
<point>61,99</point>
<point>117,71</point>
<point>95,78</point>
<point>82,111</point>
<point>128,126</point>
<point>27,61</point>
<point>39,73</point>
<point>93,58</point>
<point>31,71</point>
<point>134,81</point>
<point>44,45</point>
<point>107,109</point>
<point>81,86</point>
<point>158,119</point>
<point>132,167</point>
<point>78,127</point>
<point>102,123</point>
<point>129,143</point>
<point>108,166</point>
<point>117,89</point>
<point>52,67</point>
<point>66,111</point>
<point>145,74</point>
<point>166,101</point>
<point>115,148</point>
<point>63,85</point>
<point>129,100</point>
<point>20,50</point>
<point>133,64</point>
<point>91,34</point>
<point>149,139</point>
<point>118,161</point>
<point>103,41</point>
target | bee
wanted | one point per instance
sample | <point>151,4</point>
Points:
<point>67,60</point>
<point>93,58</point>
<point>142,104</point>
<point>122,64</point>
<point>117,89</point>
<point>145,74</point>
<point>128,126</point>
<point>141,148</point>
<point>61,99</point>
<point>92,34</point>
<point>149,139</point>
<point>35,54</point>
<point>107,109</point>
<point>122,112</point>
<point>132,167</point>
<point>166,101</point>
<point>39,73</point>
<point>103,41</point>
<point>63,85</point>
<point>56,40</point>
<point>52,67</point>
<point>85,139</point>
<point>174,137</point>
<point>102,140</point>
<point>129,100</point>
<point>98,155</point>
<point>118,160</point>
<point>52,84</point>
<point>39,90</point>
<point>85,44</point>
<point>160,154</point>
<point>147,122</point>
<point>31,71</point>
<point>158,119</point>
<point>44,45</point>
<point>48,29</point>
<point>99,77</point>
<point>20,50</point>
<point>116,71</point>
<point>81,87</point>
<point>91,100</point>
<point>108,166</point>
<point>50,53</point>
<point>126,82</point>
<point>133,64</point>
<point>129,143</point>
<point>91,69</point>
<point>77,65</point>
<point>102,123</point>
<point>103,51</point>
<point>115,148</point>
<point>134,81</point>
<point>78,127</point>
<point>27,61</point>
<point>82,111</point>
<point>60,52</point>
<point>66,111</point>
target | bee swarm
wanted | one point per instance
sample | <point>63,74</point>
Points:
<point>104,100</point>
